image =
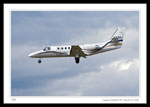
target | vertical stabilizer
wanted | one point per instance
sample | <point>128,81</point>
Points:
<point>118,35</point>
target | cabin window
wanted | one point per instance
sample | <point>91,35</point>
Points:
<point>68,47</point>
<point>61,47</point>
<point>65,47</point>
<point>58,48</point>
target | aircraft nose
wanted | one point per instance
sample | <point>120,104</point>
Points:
<point>31,55</point>
<point>35,54</point>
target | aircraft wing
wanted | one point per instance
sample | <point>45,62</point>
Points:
<point>76,51</point>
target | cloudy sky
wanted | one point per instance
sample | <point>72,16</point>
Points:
<point>114,73</point>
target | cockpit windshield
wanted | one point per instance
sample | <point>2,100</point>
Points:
<point>47,48</point>
<point>44,49</point>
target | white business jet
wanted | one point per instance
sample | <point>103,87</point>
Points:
<point>78,51</point>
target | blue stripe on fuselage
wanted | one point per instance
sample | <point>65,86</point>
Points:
<point>108,43</point>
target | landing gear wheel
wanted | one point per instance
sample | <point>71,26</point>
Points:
<point>77,60</point>
<point>39,61</point>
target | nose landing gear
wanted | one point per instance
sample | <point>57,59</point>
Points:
<point>39,61</point>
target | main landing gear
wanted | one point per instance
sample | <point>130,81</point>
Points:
<point>77,59</point>
<point>39,61</point>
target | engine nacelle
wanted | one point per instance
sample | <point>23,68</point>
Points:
<point>90,47</point>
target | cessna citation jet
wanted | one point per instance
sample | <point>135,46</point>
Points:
<point>78,51</point>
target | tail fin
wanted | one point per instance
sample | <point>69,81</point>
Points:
<point>118,35</point>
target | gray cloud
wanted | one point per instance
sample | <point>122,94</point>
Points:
<point>58,27</point>
<point>119,78</point>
